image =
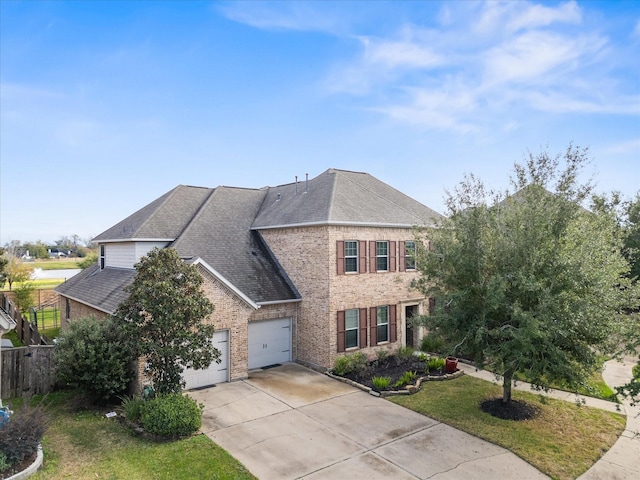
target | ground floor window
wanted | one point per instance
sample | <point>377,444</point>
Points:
<point>382,324</point>
<point>351,328</point>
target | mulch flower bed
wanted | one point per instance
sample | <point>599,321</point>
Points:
<point>395,367</point>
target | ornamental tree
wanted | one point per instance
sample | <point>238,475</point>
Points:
<point>528,281</point>
<point>165,317</point>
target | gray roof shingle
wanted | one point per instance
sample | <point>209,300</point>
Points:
<point>101,289</point>
<point>221,226</point>
<point>341,197</point>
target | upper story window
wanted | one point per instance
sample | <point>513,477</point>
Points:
<point>351,256</point>
<point>382,256</point>
<point>410,255</point>
<point>102,257</point>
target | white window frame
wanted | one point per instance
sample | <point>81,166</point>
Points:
<point>355,314</point>
<point>349,257</point>
<point>410,257</point>
<point>379,256</point>
<point>382,311</point>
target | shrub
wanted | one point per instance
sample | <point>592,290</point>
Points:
<point>405,353</point>
<point>407,377</point>
<point>341,365</point>
<point>4,463</point>
<point>171,415</point>
<point>432,342</point>
<point>358,362</point>
<point>19,439</point>
<point>435,363</point>
<point>94,355</point>
<point>132,408</point>
<point>382,355</point>
<point>636,371</point>
<point>381,383</point>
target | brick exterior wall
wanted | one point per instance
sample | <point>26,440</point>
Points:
<point>309,256</point>
<point>76,310</point>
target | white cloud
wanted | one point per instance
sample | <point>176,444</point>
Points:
<point>299,16</point>
<point>538,57</point>
<point>512,16</point>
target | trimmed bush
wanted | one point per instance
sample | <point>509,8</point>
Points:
<point>355,362</point>
<point>172,415</point>
<point>405,353</point>
<point>95,356</point>
<point>19,439</point>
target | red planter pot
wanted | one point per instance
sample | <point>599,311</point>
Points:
<point>451,364</point>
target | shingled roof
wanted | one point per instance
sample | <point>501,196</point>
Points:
<point>338,197</point>
<point>100,289</point>
<point>220,227</point>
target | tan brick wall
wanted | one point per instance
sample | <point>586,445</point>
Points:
<point>76,310</point>
<point>308,255</point>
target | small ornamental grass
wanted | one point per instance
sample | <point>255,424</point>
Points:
<point>381,383</point>
<point>435,363</point>
<point>406,379</point>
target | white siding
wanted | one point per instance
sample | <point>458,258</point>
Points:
<point>142,248</point>
<point>127,254</point>
<point>120,255</point>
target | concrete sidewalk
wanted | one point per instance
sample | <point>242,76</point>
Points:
<point>622,461</point>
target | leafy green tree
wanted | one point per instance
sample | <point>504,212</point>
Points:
<point>95,355</point>
<point>15,270</point>
<point>24,296</point>
<point>165,313</point>
<point>527,282</point>
<point>88,260</point>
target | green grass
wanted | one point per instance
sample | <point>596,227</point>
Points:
<point>13,336</point>
<point>563,441</point>
<point>82,443</point>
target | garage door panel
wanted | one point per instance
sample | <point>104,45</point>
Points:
<point>216,372</point>
<point>269,342</point>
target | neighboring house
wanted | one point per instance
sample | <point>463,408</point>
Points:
<point>299,272</point>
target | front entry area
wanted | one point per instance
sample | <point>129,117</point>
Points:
<point>216,372</point>
<point>269,342</point>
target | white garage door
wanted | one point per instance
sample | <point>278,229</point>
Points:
<point>269,342</point>
<point>216,372</point>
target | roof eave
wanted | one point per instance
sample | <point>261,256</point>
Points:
<point>133,239</point>
<point>338,223</point>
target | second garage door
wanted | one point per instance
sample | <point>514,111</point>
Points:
<point>216,372</point>
<point>269,342</point>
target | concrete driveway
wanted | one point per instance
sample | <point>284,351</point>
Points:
<point>290,422</point>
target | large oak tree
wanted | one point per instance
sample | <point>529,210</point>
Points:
<point>527,280</point>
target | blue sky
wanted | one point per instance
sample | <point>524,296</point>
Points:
<point>105,106</point>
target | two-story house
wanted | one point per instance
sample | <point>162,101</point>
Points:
<point>299,272</point>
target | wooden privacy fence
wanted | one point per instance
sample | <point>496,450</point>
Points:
<point>27,371</point>
<point>27,331</point>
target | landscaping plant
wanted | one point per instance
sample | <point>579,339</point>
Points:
<point>171,415</point>
<point>165,313</point>
<point>20,437</point>
<point>95,356</point>
<point>528,280</point>
<point>381,383</point>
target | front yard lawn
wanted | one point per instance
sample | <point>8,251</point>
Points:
<point>563,441</point>
<point>82,443</point>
